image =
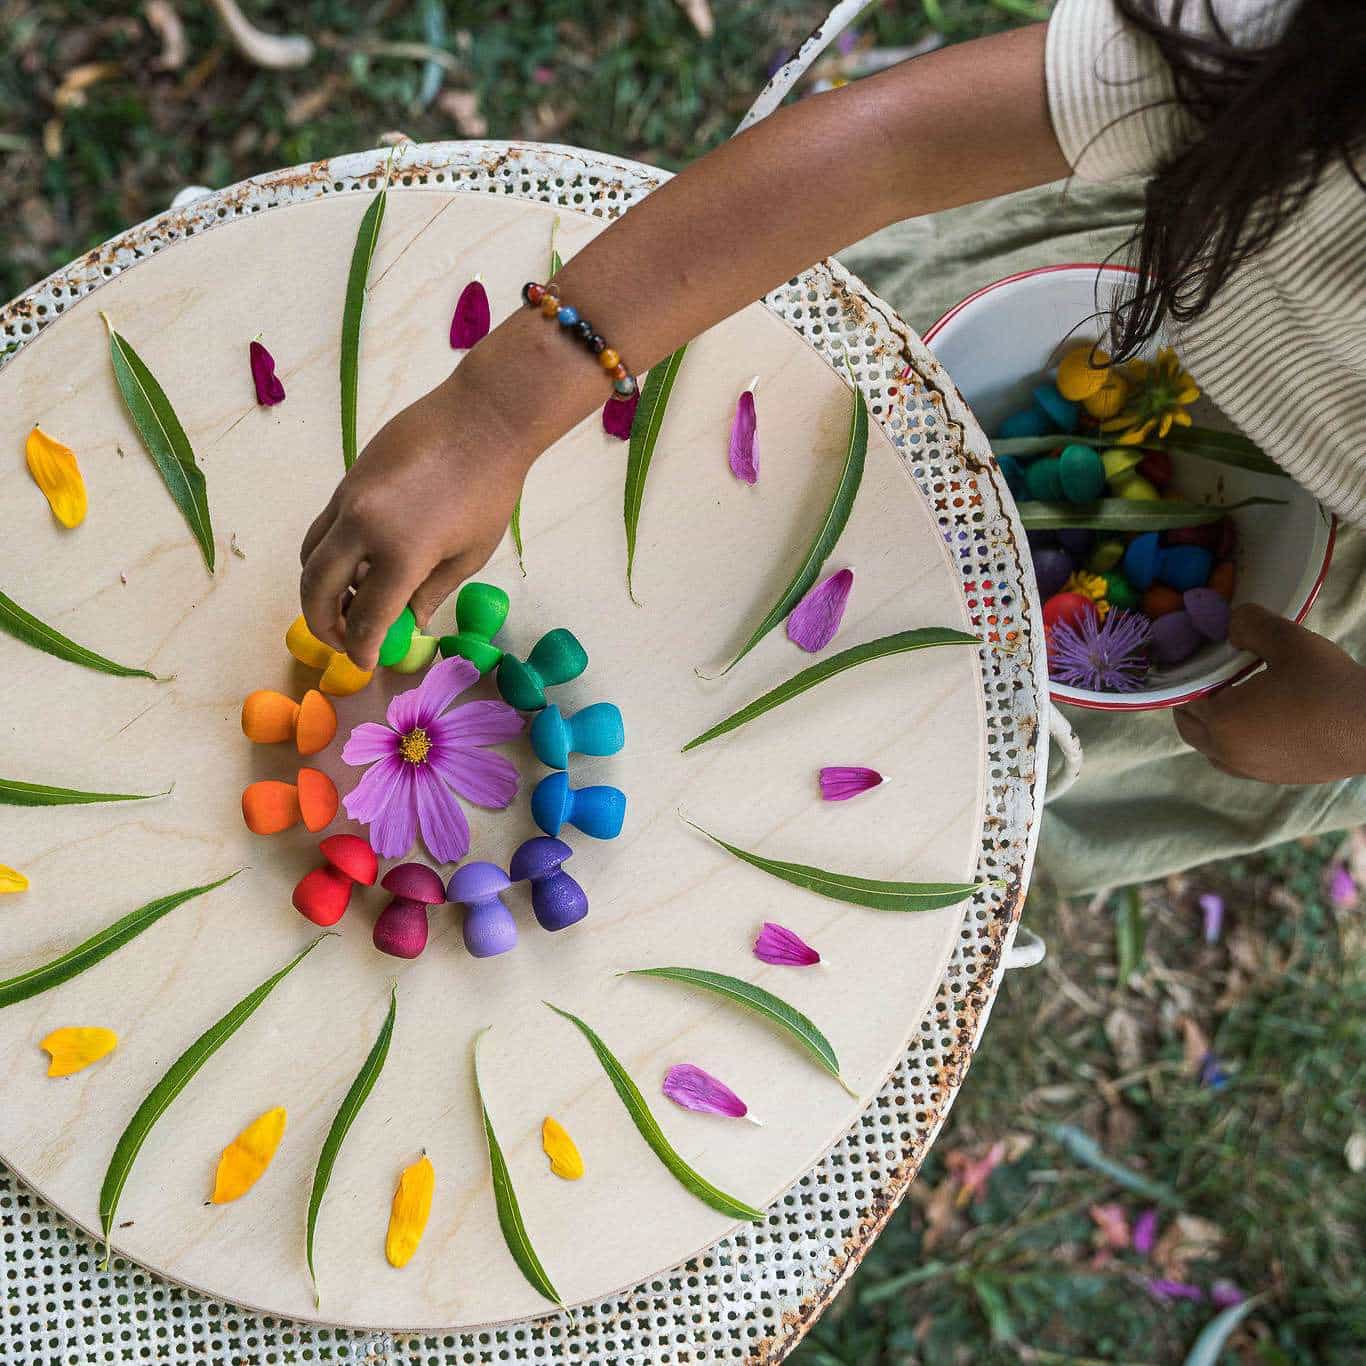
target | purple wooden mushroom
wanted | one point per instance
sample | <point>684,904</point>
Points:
<point>401,929</point>
<point>489,928</point>
<point>1208,611</point>
<point>557,900</point>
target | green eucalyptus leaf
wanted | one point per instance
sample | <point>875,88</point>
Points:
<point>15,793</point>
<point>1087,1151</point>
<point>510,1219</point>
<point>99,946</point>
<point>1208,1348</point>
<point>434,35</point>
<point>899,643</point>
<point>654,399</point>
<point>515,526</point>
<point>764,1003</point>
<point>177,1077</point>
<point>1224,448</point>
<point>1131,514</point>
<point>342,1121</point>
<point>361,256</point>
<point>26,627</point>
<point>644,1120</point>
<point>164,438</point>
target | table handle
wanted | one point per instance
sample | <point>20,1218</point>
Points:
<point>1062,735</point>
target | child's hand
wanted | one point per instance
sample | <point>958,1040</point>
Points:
<point>1302,719</point>
<point>421,510</point>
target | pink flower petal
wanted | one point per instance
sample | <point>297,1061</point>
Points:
<point>445,830</point>
<point>471,321</point>
<point>269,390</point>
<point>1145,1232</point>
<point>1342,888</point>
<point>488,722</point>
<point>420,706</point>
<point>815,619</point>
<point>375,791</point>
<point>744,440</point>
<point>839,784</point>
<point>618,414</point>
<point>694,1089</point>
<point>369,741</point>
<point>1212,906</point>
<point>479,775</point>
<point>395,825</point>
<point>1112,1225</point>
<point>777,944</point>
<point>1173,1290</point>
<point>1225,1294</point>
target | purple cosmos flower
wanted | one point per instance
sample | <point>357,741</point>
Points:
<point>694,1089</point>
<point>470,322</point>
<point>777,944</point>
<point>839,784</point>
<point>1104,656</point>
<point>269,390</point>
<point>1342,888</point>
<point>813,622</point>
<point>1145,1232</point>
<point>421,754</point>
<point>1167,1291</point>
<point>618,414</point>
<point>1213,907</point>
<point>744,439</point>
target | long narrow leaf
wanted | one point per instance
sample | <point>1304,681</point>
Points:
<point>831,528</point>
<point>15,793</point>
<point>341,1126</point>
<point>1224,448</point>
<point>654,399</point>
<point>434,35</point>
<point>177,1077</point>
<point>1208,1348</point>
<point>650,1131</point>
<point>1086,1150</point>
<point>164,438</point>
<point>899,643</point>
<point>858,891</point>
<point>26,627</point>
<point>764,1003</point>
<point>1131,514</point>
<point>505,1200</point>
<point>361,256</point>
<point>98,946</point>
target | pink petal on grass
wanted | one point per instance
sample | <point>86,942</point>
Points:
<point>813,622</point>
<point>694,1089</point>
<point>1225,1294</point>
<point>744,440</point>
<point>839,784</point>
<point>1173,1290</point>
<point>1342,888</point>
<point>1145,1232</point>
<point>471,320</point>
<point>445,830</point>
<point>479,775</point>
<point>779,945</point>
<point>269,390</point>
<point>368,742</point>
<point>618,414</point>
<point>1212,908</point>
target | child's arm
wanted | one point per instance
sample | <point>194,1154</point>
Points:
<point>428,501</point>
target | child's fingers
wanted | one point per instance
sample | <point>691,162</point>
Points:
<point>322,524</point>
<point>330,570</point>
<point>436,588</point>
<point>381,596</point>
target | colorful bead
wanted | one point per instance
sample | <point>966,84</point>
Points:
<point>620,372</point>
<point>625,387</point>
<point>597,343</point>
<point>583,330</point>
<point>567,316</point>
<point>532,293</point>
<point>609,360</point>
<point>550,305</point>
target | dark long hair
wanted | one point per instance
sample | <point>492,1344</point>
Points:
<point>1268,122</point>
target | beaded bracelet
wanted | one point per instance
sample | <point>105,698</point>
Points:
<point>547,298</point>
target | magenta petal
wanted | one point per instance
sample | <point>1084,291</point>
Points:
<point>1212,906</point>
<point>1145,1232</point>
<point>471,321</point>
<point>839,784</point>
<point>368,742</point>
<point>815,619</point>
<point>744,440</point>
<point>1225,1294</point>
<point>269,390</point>
<point>479,775</point>
<point>394,826</point>
<point>618,414</point>
<point>376,788</point>
<point>1174,1290</point>
<point>694,1089</point>
<point>777,944</point>
<point>487,722</point>
<point>445,831</point>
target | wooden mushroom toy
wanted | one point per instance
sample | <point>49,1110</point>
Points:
<point>597,811</point>
<point>401,929</point>
<point>323,895</point>
<point>270,718</point>
<point>556,899</point>
<point>268,807</point>
<point>489,928</point>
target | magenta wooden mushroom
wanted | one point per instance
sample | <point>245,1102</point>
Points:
<point>401,929</point>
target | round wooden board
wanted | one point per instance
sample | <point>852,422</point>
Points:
<point>713,555</point>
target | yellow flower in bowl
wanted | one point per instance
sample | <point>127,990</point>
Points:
<point>1158,394</point>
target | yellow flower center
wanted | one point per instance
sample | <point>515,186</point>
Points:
<point>415,746</point>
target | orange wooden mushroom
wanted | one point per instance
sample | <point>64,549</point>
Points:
<point>269,717</point>
<point>269,806</point>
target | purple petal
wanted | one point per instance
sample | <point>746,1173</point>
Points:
<point>269,390</point>
<point>815,619</point>
<point>488,722</point>
<point>1213,907</point>
<point>479,775</point>
<point>445,831</point>
<point>1212,1072</point>
<point>618,414</point>
<point>1145,1232</point>
<point>471,321</point>
<point>369,741</point>
<point>839,784</point>
<point>420,706</point>
<point>744,440</point>
<point>777,944</point>
<point>1173,1290</point>
<point>395,825</point>
<point>1342,888</point>
<point>376,789</point>
<point>694,1089</point>
<point>1225,1294</point>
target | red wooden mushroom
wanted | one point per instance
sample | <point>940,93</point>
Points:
<point>323,895</point>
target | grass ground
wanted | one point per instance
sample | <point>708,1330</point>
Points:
<point>1140,1068</point>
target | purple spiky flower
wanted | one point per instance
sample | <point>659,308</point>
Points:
<point>1104,656</point>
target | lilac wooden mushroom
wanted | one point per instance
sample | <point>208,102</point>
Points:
<point>401,929</point>
<point>489,928</point>
<point>557,900</point>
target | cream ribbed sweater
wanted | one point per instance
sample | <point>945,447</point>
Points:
<point>1283,348</point>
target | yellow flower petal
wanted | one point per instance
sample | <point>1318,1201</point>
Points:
<point>1164,426</point>
<point>1181,418</point>
<point>408,1215</point>
<point>1120,421</point>
<point>12,880</point>
<point>246,1158</point>
<point>1189,393</point>
<point>559,1148</point>
<point>77,1047</point>
<point>55,471</point>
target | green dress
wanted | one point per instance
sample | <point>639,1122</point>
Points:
<point>1145,804</point>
